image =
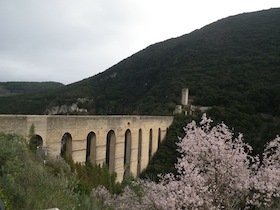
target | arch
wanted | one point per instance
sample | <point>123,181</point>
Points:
<point>159,137</point>
<point>91,148</point>
<point>150,144</point>
<point>66,146</point>
<point>139,157</point>
<point>127,151</point>
<point>37,141</point>
<point>38,144</point>
<point>110,150</point>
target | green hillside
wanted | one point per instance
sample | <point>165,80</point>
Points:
<point>15,88</point>
<point>234,62</point>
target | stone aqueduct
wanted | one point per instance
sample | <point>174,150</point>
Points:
<point>125,143</point>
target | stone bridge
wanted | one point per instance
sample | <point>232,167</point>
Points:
<point>125,143</point>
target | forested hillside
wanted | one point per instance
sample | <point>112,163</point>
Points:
<point>233,62</point>
<point>232,65</point>
<point>15,88</point>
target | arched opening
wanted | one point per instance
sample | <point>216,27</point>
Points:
<point>66,146</point>
<point>38,144</point>
<point>127,151</point>
<point>91,148</point>
<point>139,152</point>
<point>35,142</point>
<point>150,144</point>
<point>110,150</point>
<point>159,137</point>
<point>38,141</point>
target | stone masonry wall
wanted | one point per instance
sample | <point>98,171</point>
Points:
<point>52,128</point>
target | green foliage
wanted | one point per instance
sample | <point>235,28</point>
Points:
<point>257,129</point>
<point>6,201</point>
<point>22,179</point>
<point>91,176</point>
<point>231,65</point>
<point>166,156</point>
<point>15,88</point>
<point>233,62</point>
<point>26,183</point>
<point>32,138</point>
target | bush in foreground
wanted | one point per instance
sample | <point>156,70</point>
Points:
<point>25,183</point>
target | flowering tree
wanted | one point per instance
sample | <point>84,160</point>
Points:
<point>266,182</point>
<point>215,171</point>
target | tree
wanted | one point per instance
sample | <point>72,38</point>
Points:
<point>215,171</point>
<point>267,179</point>
<point>32,138</point>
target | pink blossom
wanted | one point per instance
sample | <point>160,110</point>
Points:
<point>215,171</point>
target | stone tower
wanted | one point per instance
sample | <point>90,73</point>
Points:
<point>185,96</point>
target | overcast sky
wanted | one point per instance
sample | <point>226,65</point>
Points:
<point>70,40</point>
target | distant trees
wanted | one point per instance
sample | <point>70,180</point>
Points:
<point>215,171</point>
<point>28,87</point>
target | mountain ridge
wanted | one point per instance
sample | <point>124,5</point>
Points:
<point>231,60</point>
